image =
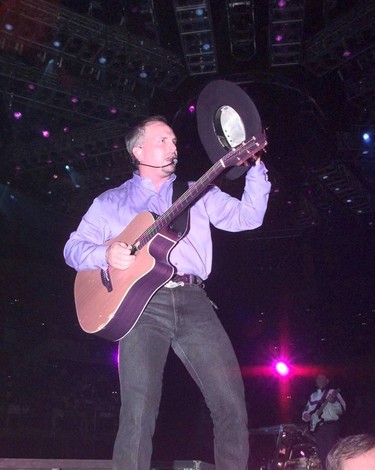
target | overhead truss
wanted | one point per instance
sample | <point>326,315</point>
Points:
<point>37,26</point>
<point>241,27</point>
<point>82,99</point>
<point>342,41</point>
<point>285,31</point>
<point>195,26</point>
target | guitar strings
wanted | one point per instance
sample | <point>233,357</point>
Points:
<point>195,190</point>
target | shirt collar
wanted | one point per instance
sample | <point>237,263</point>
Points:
<point>147,183</point>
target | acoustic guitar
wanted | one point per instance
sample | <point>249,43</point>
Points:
<point>110,302</point>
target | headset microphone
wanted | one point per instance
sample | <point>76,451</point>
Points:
<point>173,162</point>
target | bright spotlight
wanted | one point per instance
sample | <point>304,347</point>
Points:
<point>142,72</point>
<point>282,368</point>
<point>366,137</point>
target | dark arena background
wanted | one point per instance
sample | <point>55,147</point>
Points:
<point>74,75</point>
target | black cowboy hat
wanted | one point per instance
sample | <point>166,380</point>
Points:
<point>220,105</point>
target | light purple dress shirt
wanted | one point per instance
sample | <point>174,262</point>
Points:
<point>113,210</point>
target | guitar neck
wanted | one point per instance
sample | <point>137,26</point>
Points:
<point>235,156</point>
<point>180,204</point>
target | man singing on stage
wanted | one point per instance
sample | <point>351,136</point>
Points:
<point>179,314</point>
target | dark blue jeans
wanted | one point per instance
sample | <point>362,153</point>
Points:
<point>326,437</point>
<point>181,318</point>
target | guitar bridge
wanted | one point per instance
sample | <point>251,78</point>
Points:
<point>106,279</point>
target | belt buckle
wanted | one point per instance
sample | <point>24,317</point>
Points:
<point>173,284</point>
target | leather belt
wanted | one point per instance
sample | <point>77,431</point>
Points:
<point>184,279</point>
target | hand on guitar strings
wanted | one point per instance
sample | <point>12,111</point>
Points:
<point>119,255</point>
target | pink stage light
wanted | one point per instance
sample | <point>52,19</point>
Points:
<point>17,115</point>
<point>45,134</point>
<point>191,108</point>
<point>282,368</point>
<point>74,99</point>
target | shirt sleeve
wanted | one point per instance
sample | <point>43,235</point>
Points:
<point>340,405</point>
<point>232,214</point>
<point>308,408</point>
<point>85,248</point>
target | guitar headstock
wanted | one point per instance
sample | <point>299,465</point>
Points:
<point>245,151</point>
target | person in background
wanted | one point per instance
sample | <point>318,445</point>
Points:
<point>323,412</point>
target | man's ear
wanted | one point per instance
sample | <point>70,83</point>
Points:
<point>137,152</point>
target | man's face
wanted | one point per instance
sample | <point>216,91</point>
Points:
<point>363,462</point>
<point>321,381</point>
<point>158,147</point>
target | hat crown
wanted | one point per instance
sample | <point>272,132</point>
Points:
<point>229,127</point>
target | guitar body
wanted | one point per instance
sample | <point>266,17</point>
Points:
<point>113,314</point>
<point>316,421</point>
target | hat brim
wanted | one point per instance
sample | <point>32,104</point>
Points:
<point>213,97</point>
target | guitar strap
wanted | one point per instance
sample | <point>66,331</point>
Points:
<point>181,223</point>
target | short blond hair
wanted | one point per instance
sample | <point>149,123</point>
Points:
<point>136,133</point>
<point>348,448</point>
